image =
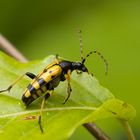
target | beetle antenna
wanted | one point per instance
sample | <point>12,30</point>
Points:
<point>81,44</point>
<point>101,56</point>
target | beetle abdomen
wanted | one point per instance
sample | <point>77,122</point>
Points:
<point>46,81</point>
<point>34,91</point>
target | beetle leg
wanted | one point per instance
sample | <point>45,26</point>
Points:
<point>78,72</point>
<point>57,59</point>
<point>69,90</point>
<point>30,75</point>
<point>56,56</point>
<point>46,96</point>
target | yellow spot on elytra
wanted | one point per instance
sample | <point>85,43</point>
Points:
<point>27,94</point>
<point>36,85</point>
<point>55,71</point>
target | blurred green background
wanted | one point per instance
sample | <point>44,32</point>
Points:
<point>41,28</point>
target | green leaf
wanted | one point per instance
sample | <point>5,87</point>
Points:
<point>89,102</point>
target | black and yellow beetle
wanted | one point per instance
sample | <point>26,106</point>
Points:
<point>48,79</point>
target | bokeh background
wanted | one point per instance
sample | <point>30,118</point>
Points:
<point>41,28</point>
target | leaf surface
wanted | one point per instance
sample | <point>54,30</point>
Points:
<point>89,102</point>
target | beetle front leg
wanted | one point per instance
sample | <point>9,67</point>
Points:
<point>69,89</point>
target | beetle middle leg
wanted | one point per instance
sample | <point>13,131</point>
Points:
<point>69,89</point>
<point>30,75</point>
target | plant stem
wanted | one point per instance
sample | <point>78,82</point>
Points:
<point>96,131</point>
<point>7,47</point>
<point>128,129</point>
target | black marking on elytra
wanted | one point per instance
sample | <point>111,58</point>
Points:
<point>50,71</point>
<point>41,82</point>
<point>32,90</point>
<point>27,100</point>
<point>52,76</point>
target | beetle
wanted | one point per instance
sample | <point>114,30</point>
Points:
<point>49,78</point>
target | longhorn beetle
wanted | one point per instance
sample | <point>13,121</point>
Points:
<point>49,78</point>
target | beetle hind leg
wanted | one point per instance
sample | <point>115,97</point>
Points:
<point>46,96</point>
<point>30,75</point>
